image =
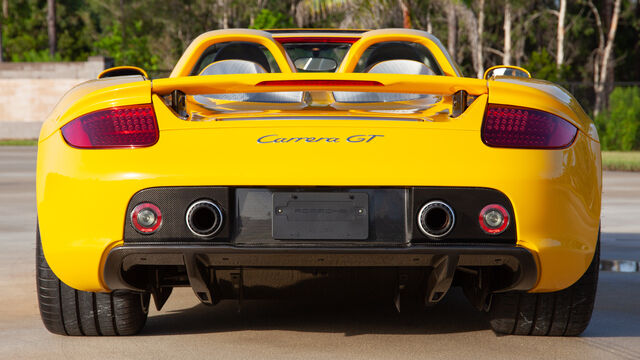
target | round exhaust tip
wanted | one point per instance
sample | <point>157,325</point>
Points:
<point>436,219</point>
<point>204,218</point>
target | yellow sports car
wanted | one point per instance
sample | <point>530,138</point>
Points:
<point>314,163</point>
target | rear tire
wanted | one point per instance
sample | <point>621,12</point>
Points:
<point>561,313</point>
<point>66,311</point>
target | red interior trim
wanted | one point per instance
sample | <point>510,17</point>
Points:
<point>317,39</point>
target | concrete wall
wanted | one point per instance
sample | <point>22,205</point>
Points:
<point>29,91</point>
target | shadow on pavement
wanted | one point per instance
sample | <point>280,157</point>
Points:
<point>453,315</point>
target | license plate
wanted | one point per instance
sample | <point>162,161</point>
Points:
<point>318,216</point>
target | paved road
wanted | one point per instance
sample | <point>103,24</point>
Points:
<point>277,330</point>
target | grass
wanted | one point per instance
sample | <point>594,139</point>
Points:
<point>621,160</point>
<point>19,142</point>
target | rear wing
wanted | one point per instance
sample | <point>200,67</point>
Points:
<point>458,88</point>
<point>248,83</point>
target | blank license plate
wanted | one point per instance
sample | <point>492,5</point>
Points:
<point>317,216</point>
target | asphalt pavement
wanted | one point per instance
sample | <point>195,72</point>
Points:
<point>185,329</point>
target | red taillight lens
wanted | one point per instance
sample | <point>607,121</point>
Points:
<point>493,219</point>
<point>146,218</point>
<point>125,126</point>
<point>514,127</point>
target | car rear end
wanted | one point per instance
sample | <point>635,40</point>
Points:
<point>249,186</point>
<point>312,189</point>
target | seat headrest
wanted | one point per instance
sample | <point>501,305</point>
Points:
<point>408,67</point>
<point>392,51</point>
<point>226,67</point>
<point>243,51</point>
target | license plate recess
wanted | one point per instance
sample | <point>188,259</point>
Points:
<point>320,216</point>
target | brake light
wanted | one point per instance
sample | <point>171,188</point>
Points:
<point>336,83</point>
<point>515,127</point>
<point>118,127</point>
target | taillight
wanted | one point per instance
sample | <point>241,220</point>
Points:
<point>515,127</point>
<point>125,126</point>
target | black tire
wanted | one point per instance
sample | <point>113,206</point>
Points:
<point>561,313</point>
<point>66,311</point>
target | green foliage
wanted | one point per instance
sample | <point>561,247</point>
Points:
<point>33,55</point>
<point>619,127</point>
<point>542,66</point>
<point>268,19</point>
<point>131,50</point>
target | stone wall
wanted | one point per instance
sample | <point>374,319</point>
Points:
<point>29,92</point>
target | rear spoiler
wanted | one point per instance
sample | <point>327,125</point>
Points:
<point>246,83</point>
<point>458,87</point>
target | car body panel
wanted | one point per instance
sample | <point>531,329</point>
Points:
<point>82,195</point>
<point>192,53</point>
<point>421,37</point>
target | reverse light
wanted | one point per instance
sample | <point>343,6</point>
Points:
<point>493,219</point>
<point>117,127</point>
<point>515,127</point>
<point>146,218</point>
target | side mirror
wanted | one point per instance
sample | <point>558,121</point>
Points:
<point>506,70</point>
<point>315,64</point>
<point>122,71</point>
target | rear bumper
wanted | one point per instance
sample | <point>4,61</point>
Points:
<point>198,260</point>
<point>555,194</point>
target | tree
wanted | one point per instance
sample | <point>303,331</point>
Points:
<point>452,29</point>
<point>603,54</point>
<point>506,51</point>
<point>474,26</point>
<point>1,19</point>
<point>406,15</point>
<point>51,26</point>
<point>4,15</point>
<point>562,10</point>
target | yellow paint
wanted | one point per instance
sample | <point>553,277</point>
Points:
<point>201,43</point>
<point>82,195</point>
<point>376,36</point>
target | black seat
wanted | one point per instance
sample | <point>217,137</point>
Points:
<point>243,51</point>
<point>392,51</point>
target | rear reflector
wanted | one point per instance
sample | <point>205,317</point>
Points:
<point>336,83</point>
<point>515,127</point>
<point>118,127</point>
